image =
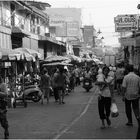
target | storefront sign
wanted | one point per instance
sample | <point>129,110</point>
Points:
<point>125,23</point>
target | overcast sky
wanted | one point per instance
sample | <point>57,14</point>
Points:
<point>100,13</point>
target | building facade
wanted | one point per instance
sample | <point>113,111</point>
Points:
<point>131,47</point>
<point>24,25</point>
<point>65,24</point>
<point>88,36</point>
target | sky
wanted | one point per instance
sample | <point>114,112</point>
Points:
<point>100,14</point>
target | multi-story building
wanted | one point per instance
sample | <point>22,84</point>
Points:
<point>25,25</point>
<point>65,24</point>
<point>88,36</point>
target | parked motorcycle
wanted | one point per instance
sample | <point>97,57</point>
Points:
<point>32,92</point>
<point>87,84</point>
<point>29,91</point>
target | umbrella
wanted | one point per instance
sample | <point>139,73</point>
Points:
<point>25,54</point>
<point>57,64</point>
<point>73,57</point>
<point>32,52</point>
<point>56,58</point>
<point>9,54</point>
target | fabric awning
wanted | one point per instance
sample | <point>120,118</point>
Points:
<point>25,54</point>
<point>52,40</point>
<point>14,55</point>
<point>56,58</point>
<point>57,64</point>
<point>73,57</point>
<point>9,54</point>
<point>32,52</point>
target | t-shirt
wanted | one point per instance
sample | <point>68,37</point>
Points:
<point>59,80</point>
<point>132,84</point>
<point>76,72</point>
<point>45,81</point>
<point>106,91</point>
<point>3,88</point>
<point>119,73</point>
<point>100,77</point>
<point>87,74</point>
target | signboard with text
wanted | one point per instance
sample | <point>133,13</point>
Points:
<point>125,23</point>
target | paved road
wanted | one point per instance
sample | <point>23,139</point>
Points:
<point>87,126</point>
<point>78,118</point>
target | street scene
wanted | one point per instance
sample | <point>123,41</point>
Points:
<point>77,119</point>
<point>69,69</point>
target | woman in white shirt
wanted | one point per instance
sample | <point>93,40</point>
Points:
<point>105,97</point>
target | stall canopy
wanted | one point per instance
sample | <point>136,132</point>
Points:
<point>9,54</point>
<point>13,55</point>
<point>32,52</point>
<point>74,58</point>
<point>56,58</point>
<point>57,64</point>
<point>97,61</point>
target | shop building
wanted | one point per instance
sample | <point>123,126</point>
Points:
<point>131,47</point>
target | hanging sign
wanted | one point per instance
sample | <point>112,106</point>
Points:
<point>124,23</point>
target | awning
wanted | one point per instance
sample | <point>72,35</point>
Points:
<point>56,58</point>
<point>25,54</point>
<point>9,54</point>
<point>19,32</point>
<point>29,51</point>
<point>57,64</point>
<point>74,58</point>
<point>52,40</point>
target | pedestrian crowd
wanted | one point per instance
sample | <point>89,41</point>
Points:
<point>108,79</point>
<point>126,81</point>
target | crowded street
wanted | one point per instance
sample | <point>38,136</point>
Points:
<point>77,119</point>
<point>70,69</point>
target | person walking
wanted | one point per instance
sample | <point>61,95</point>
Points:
<point>3,110</point>
<point>131,88</point>
<point>119,74</point>
<point>77,75</point>
<point>54,85</point>
<point>105,97</point>
<point>60,82</point>
<point>45,84</point>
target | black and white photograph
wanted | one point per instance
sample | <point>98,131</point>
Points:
<point>69,69</point>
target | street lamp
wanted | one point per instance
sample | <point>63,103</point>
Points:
<point>99,32</point>
<point>97,37</point>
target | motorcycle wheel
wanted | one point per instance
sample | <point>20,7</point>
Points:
<point>36,97</point>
